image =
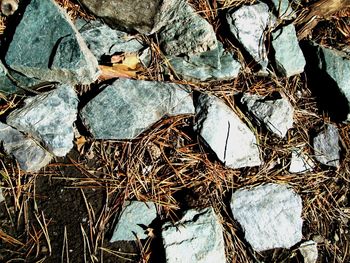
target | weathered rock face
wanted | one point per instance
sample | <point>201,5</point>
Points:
<point>103,40</point>
<point>308,250</point>
<point>231,140</point>
<point>187,33</point>
<point>128,107</point>
<point>288,56</point>
<point>284,9</point>
<point>47,46</point>
<point>134,216</point>
<point>49,118</point>
<point>210,65</point>
<point>270,216</point>
<point>300,162</point>
<point>248,24</point>
<point>276,115</point>
<point>30,155</point>
<point>197,237</point>
<point>326,146</point>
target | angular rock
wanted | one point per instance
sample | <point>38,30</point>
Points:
<point>215,64</point>
<point>2,198</point>
<point>289,58</point>
<point>47,46</point>
<point>275,114</point>
<point>30,155</point>
<point>197,237</point>
<point>248,24</point>
<point>188,33</point>
<point>284,9</point>
<point>326,146</point>
<point>103,40</point>
<point>128,107</point>
<point>270,216</point>
<point>49,118</point>
<point>308,250</point>
<point>226,134</point>
<point>134,218</point>
<point>300,162</point>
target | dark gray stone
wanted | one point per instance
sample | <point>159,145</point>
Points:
<point>49,118</point>
<point>326,146</point>
<point>196,237</point>
<point>47,46</point>
<point>270,216</point>
<point>30,155</point>
<point>128,107</point>
<point>226,134</point>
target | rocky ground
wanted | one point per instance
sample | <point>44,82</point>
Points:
<point>174,131</point>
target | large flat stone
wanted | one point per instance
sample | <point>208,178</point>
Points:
<point>270,216</point>
<point>134,217</point>
<point>49,118</point>
<point>128,107</point>
<point>30,155</point>
<point>196,237</point>
<point>47,46</point>
<point>226,134</point>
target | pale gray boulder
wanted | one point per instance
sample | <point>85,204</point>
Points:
<point>300,162</point>
<point>126,108</point>
<point>276,114</point>
<point>30,155</point>
<point>326,146</point>
<point>225,133</point>
<point>134,217</point>
<point>196,237</point>
<point>47,46</point>
<point>49,118</point>
<point>270,216</point>
<point>289,58</point>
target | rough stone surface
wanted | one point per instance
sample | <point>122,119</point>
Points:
<point>275,114</point>
<point>103,40</point>
<point>49,118</point>
<point>300,162</point>
<point>215,64</point>
<point>270,216</point>
<point>30,156</point>
<point>326,146</point>
<point>188,33</point>
<point>134,217</point>
<point>308,250</point>
<point>47,46</point>
<point>284,9</point>
<point>128,107</point>
<point>197,237</point>
<point>248,24</point>
<point>288,56</point>
<point>226,134</point>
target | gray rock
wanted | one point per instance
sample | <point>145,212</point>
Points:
<point>275,114</point>
<point>30,155</point>
<point>49,118</point>
<point>270,216</point>
<point>133,218</point>
<point>146,57</point>
<point>215,64</point>
<point>300,162</point>
<point>226,134</point>
<point>248,24</point>
<point>326,146</point>
<point>103,40</point>
<point>288,56</point>
<point>47,46</point>
<point>2,198</point>
<point>308,250</point>
<point>188,33</point>
<point>128,107</point>
<point>284,9</point>
<point>197,237</point>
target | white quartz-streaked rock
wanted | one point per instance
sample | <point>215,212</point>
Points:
<point>196,237</point>
<point>134,217</point>
<point>300,162</point>
<point>270,216</point>
<point>30,155</point>
<point>49,118</point>
<point>226,134</point>
<point>326,146</point>
<point>308,250</point>
<point>128,107</point>
<point>276,114</point>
